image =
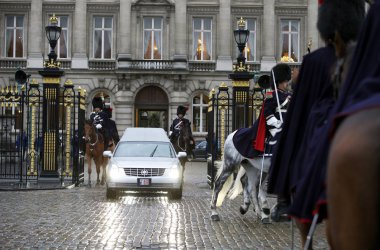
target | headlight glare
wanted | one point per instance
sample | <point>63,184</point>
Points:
<point>114,171</point>
<point>174,173</point>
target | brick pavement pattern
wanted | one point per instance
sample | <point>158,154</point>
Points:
<point>82,218</point>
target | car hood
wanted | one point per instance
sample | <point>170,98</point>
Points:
<point>144,162</point>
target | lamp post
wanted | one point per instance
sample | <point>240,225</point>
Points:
<point>240,80</point>
<point>51,77</point>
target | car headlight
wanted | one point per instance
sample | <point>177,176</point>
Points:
<point>114,171</point>
<point>174,173</point>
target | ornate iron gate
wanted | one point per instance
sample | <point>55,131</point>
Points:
<point>228,110</point>
<point>26,144</point>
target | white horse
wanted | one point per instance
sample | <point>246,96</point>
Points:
<point>249,172</point>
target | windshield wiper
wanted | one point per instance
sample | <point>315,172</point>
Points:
<point>151,155</point>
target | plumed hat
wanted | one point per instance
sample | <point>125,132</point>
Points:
<point>282,72</point>
<point>181,110</point>
<point>97,102</point>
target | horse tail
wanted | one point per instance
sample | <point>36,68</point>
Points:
<point>226,186</point>
<point>237,188</point>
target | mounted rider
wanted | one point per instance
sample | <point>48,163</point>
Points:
<point>252,142</point>
<point>100,120</point>
<point>178,123</point>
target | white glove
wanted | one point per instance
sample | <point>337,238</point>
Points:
<point>98,126</point>
<point>272,121</point>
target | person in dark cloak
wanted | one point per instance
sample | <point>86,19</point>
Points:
<point>112,126</point>
<point>353,185</point>
<point>100,120</point>
<point>263,135</point>
<point>306,163</point>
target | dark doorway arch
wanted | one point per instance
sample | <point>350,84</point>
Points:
<point>151,108</point>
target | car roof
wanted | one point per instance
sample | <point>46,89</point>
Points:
<point>145,134</point>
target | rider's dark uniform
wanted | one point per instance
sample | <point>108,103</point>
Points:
<point>177,124</point>
<point>245,138</point>
<point>111,124</point>
<point>100,120</point>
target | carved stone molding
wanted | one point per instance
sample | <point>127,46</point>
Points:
<point>58,7</point>
<point>291,10</point>
<point>203,9</point>
<point>259,10</point>
<point>15,6</point>
<point>103,7</point>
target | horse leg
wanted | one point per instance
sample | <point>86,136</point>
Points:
<point>89,170</point>
<point>104,173</point>
<point>263,202</point>
<point>97,164</point>
<point>353,182</point>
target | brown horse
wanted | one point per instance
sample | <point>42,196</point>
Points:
<point>94,150</point>
<point>353,185</point>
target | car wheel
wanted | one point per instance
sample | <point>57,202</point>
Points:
<point>175,194</point>
<point>111,193</point>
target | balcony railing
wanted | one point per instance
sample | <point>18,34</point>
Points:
<point>66,64</point>
<point>102,65</point>
<point>253,66</point>
<point>10,63</point>
<point>151,64</point>
<point>202,66</point>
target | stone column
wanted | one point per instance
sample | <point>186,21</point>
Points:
<point>180,56</point>
<point>124,37</point>
<point>268,59</point>
<point>224,61</point>
<point>312,31</point>
<point>80,58</point>
<point>36,36</point>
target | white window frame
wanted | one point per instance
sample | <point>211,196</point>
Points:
<point>200,106</point>
<point>202,31</point>
<point>151,31</point>
<point>14,28</point>
<point>102,29</point>
<point>289,32</point>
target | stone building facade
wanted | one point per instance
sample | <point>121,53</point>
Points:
<point>146,57</point>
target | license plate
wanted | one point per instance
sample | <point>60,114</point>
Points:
<point>143,181</point>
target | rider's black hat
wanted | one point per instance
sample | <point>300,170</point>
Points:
<point>282,72</point>
<point>181,110</point>
<point>97,102</point>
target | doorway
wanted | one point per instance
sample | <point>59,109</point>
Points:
<point>151,108</point>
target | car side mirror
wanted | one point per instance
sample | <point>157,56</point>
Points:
<point>181,154</point>
<point>107,154</point>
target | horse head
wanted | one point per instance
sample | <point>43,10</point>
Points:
<point>89,131</point>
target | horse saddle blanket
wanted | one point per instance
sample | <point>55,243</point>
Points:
<point>243,141</point>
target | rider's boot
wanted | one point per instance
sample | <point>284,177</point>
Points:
<point>279,213</point>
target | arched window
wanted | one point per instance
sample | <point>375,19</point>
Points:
<point>200,104</point>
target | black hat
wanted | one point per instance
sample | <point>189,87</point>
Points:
<point>181,110</point>
<point>97,102</point>
<point>282,72</point>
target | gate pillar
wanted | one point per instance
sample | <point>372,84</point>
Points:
<point>50,129</point>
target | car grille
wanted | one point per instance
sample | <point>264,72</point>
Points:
<point>144,172</point>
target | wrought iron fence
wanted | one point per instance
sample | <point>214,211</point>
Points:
<point>225,114</point>
<point>27,144</point>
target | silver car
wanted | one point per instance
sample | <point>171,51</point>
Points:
<point>144,159</point>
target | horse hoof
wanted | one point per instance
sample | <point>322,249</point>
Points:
<point>265,220</point>
<point>242,210</point>
<point>266,211</point>
<point>102,183</point>
<point>215,217</point>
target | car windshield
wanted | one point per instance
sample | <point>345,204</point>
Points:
<point>144,149</point>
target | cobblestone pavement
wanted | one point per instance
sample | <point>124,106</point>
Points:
<point>82,218</point>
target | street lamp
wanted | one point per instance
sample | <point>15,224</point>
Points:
<point>241,36</point>
<point>53,32</point>
<point>240,81</point>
